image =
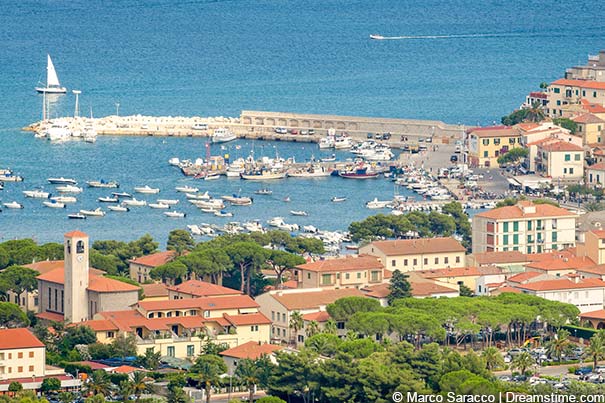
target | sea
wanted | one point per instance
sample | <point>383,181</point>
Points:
<point>460,61</point>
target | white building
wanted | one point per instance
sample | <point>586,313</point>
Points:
<point>587,294</point>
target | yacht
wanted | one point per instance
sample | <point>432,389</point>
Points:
<point>69,189</point>
<point>76,216</point>
<point>222,135</point>
<point>58,131</point>
<point>203,196</point>
<point>343,142</point>
<point>326,142</point>
<point>6,177</point>
<point>264,192</point>
<point>253,226</point>
<point>36,194</point>
<point>223,213</point>
<point>299,213</point>
<point>159,206</point>
<point>13,205</point>
<point>236,168</point>
<point>113,199</point>
<point>377,154</point>
<point>64,199</point>
<point>103,184</point>
<point>54,204</point>
<point>316,171</point>
<point>120,209</point>
<point>146,190</point>
<point>211,203</point>
<point>378,204</point>
<point>338,199</point>
<point>134,202</point>
<point>186,189</point>
<point>62,181</point>
<point>93,213</point>
<point>175,214</point>
<point>121,194</point>
<point>170,202</point>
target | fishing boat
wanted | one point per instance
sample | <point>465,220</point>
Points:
<point>310,172</point>
<point>103,184</point>
<point>69,189</point>
<point>175,214</point>
<point>343,142</point>
<point>13,205</point>
<point>263,174</point>
<point>159,206</point>
<point>186,189</point>
<point>326,142</point>
<point>76,216</point>
<point>9,177</point>
<point>222,135</point>
<point>36,194</point>
<point>134,202</point>
<point>64,199</point>
<point>299,213</point>
<point>113,199</point>
<point>338,199</point>
<point>170,202</point>
<point>121,194</point>
<point>93,213</point>
<point>62,181</point>
<point>264,192</point>
<point>146,189</point>
<point>211,177</point>
<point>52,86</point>
<point>223,213</point>
<point>54,204</point>
<point>120,209</point>
<point>359,173</point>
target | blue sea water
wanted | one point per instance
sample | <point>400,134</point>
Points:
<point>211,58</point>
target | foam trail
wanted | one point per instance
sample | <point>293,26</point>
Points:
<point>453,36</point>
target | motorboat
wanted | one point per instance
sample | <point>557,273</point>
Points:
<point>253,226</point>
<point>338,199</point>
<point>121,194</point>
<point>377,37</point>
<point>113,199</point>
<point>203,196</point>
<point>299,213</point>
<point>223,213</point>
<point>211,203</point>
<point>378,154</point>
<point>146,190</point>
<point>69,189</point>
<point>89,134</point>
<point>76,216</point>
<point>195,229</point>
<point>64,199</point>
<point>264,192</point>
<point>275,221</point>
<point>170,202</point>
<point>378,204</point>
<point>93,213</point>
<point>9,177</point>
<point>343,142</point>
<point>174,214</point>
<point>332,158</point>
<point>326,142</point>
<point>174,161</point>
<point>62,181</point>
<point>316,171</point>
<point>238,200</point>
<point>359,173</point>
<point>54,204</point>
<point>120,209</point>
<point>222,135</point>
<point>210,210</point>
<point>310,229</point>
<point>36,194</point>
<point>134,202</point>
<point>103,184</point>
<point>262,174</point>
<point>52,86</point>
<point>13,205</point>
<point>159,206</point>
<point>186,189</point>
<point>212,177</point>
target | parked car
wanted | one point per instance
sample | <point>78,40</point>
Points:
<point>378,136</point>
<point>294,131</point>
<point>304,132</point>
<point>583,371</point>
<point>454,158</point>
<point>386,136</point>
<point>370,136</point>
<point>311,131</point>
<point>281,130</point>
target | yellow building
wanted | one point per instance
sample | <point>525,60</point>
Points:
<point>417,254</point>
<point>590,127</point>
<point>564,92</point>
<point>593,246</point>
<point>486,144</point>
<point>22,355</point>
<point>350,271</point>
<point>560,160</point>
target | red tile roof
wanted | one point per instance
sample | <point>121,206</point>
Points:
<point>580,83</point>
<point>505,288</point>
<point>348,263</point>
<point>98,325</point>
<point>206,303</point>
<point>494,131</point>
<point>562,284</point>
<point>598,314</point>
<point>320,317</point>
<point>290,284</point>
<point>203,289</point>
<point>18,338</point>
<point>298,300</point>
<point>400,247</point>
<point>459,272</point>
<point>597,269</point>
<point>154,290</point>
<point>522,277</point>
<point>538,94</point>
<point>247,319</point>
<point>592,107</point>
<point>93,365</point>
<point>75,234</point>
<point>126,369</point>
<point>571,263</point>
<point>587,118</point>
<point>51,316</point>
<point>599,233</point>
<point>95,282</point>
<point>486,258</point>
<point>128,319</point>
<point>251,350</point>
<point>515,212</point>
<point>155,259</point>
<point>45,266</point>
<point>560,146</point>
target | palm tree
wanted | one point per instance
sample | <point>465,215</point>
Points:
<point>596,348</point>
<point>208,369</point>
<point>296,323</point>
<point>523,362</point>
<point>312,328</point>
<point>330,326</point>
<point>535,113</point>
<point>125,389</point>
<point>98,383</point>
<point>139,385</point>
<point>493,358</point>
<point>560,344</point>
<point>253,373</point>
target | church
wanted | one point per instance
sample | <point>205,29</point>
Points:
<point>76,292</point>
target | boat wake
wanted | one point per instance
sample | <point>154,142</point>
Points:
<point>452,36</point>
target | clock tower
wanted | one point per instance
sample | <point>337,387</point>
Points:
<point>76,276</point>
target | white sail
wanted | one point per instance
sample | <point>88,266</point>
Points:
<point>51,75</point>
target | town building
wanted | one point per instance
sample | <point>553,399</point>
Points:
<point>526,227</point>
<point>28,300</point>
<point>155,292</point>
<point>140,267</point>
<point>468,276</point>
<point>349,271</point>
<point>535,97</point>
<point>420,288</point>
<point>74,293</point>
<point>197,288</point>
<point>417,254</point>
<point>560,160</point>
<point>587,294</point>
<point>595,319</point>
<point>564,92</point>
<point>560,265</point>
<point>486,144</point>
<point>248,351</point>
<point>593,70</point>
<point>512,261</point>
<point>595,175</point>
<point>590,127</point>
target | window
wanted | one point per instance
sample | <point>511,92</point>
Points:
<point>151,315</point>
<point>308,276</point>
<point>358,275</point>
<point>539,225</point>
<point>301,338</point>
<point>529,239</point>
<point>594,94</point>
<point>206,314</point>
<point>576,157</point>
<point>190,350</point>
<point>485,154</point>
<point>571,171</point>
<point>496,142</point>
<point>273,316</point>
<point>436,260</point>
<point>457,259</point>
<point>254,328</point>
<point>279,331</point>
<point>446,260</point>
<point>415,262</point>
<point>31,354</point>
<point>340,325</point>
<point>529,223</point>
<point>393,262</point>
<point>556,90</point>
<point>505,227</point>
<point>169,315</point>
<point>326,279</point>
<point>516,226</point>
<point>567,157</point>
<point>512,140</point>
<point>56,299</point>
<point>529,249</point>
<point>20,355</point>
<point>505,240</point>
<point>170,351</point>
<point>405,262</point>
<point>554,236</point>
<point>426,260</point>
<point>31,368</point>
<point>516,239</point>
<point>19,369</point>
<point>347,276</point>
<point>278,316</point>
<point>375,275</point>
<point>110,335</point>
<point>564,170</point>
<point>485,142</point>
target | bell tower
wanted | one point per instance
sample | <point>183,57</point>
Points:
<point>76,276</point>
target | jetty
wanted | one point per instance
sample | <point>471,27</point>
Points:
<point>261,125</point>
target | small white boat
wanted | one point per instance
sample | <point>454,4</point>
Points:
<point>120,209</point>
<point>264,192</point>
<point>211,203</point>
<point>238,200</point>
<point>76,216</point>
<point>69,189</point>
<point>93,213</point>
<point>222,135</point>
<point>54,204</point>
<point>62,181</point>
<point>13,205</point>
<point>103,184</point>
<point>378,204</point>
<point>64,199</point>
<point>134,202</point>
<point>10,178</point>
<point>108,199</point>
<point>186,189</point>
<point>146,190</point>
<point>210,210</point>
<point>212,177</point>
<point>36,194</point>
<point>170,202</point>
<point>337,199</point>
<point>121,194</point>
<point>159,206</point>
<point>174,161</point>
<point>52,86</point>
<point>193,196</point>
<point>329,159</point>
<point>223,213</point>
<point>310,228</point>
<point>299,213</point>
<point>174,214</point>
<point>377,37</point>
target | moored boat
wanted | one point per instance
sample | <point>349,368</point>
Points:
<point>122,194</point>
<point>146,189</point>
<point>69,189</point>
<point>103,184</point>
<point>113,199</point>
<point>54,204</point>
<point>359,173</point>
<point>62,181</point>
<point>36,194</point>
<point>134,202</point>
<point>222,135</point>
<point>212,177</point>
<point>13,205</point>
<point>338,199</point>
<point>64,199</point>
<point>263,174</point>
<point>186,189</point>
<point>76,216</point>
<point>93,213</point>
<point>263,191</point>
<point>299,213</point>
<point>203,196</point>
<point>10,178</point>
<point>238,200</point>
<point>159,206</point>
<point>170,202</point>
<point>174,214</point>
<point>120,209</point>
<point>223,213</point>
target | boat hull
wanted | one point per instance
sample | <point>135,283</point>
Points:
<point>263,177</point>
<point>358,176</point>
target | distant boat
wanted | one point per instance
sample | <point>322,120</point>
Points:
<point>64,199</point>
<point>186,189</point>
<point>211,177</point>
<point>175,214</point>
<point>121,209</point>
<point>36,194</point>
<point>54,204</point>
<point>262,175</point>
<point>69,189</point>
<point>53,86</point>
<point>378,37</point>
<point>62,181</point>
<point>108,199</point>
<point>13,205</point>
<point>222,135</point>
<point>76,216</point>
<point>103,184</point>
<point>263,191</point>
<point>170,202</point>
<point>337,199</point>
<point>146,189</point>
<point>94,213</point>
<point>299,213</point>
<point>121,194</point>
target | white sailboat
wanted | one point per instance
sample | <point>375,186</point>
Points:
<point>53,86</point>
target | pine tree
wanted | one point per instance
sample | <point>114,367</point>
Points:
<point>400,287</point>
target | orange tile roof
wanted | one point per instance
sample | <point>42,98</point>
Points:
<point>207,303</point>
<point>562,284</point>
<point>95,282</point>
<point>294,301</point>
<point>155,259</point>
<point>598,314</point>
<point>45,266</point>
<point>597,269</point>
<point>459,272</point>
<point>320,317</point>
<point>562,264</point>
<point>51,316</point>
<point>599,233</point>
<point>154,290</point>
<point>290,284</point>
<point>505,288</point>
<point>348,263</point>
<point>98,325</point>
<point>561,146</point>
<point>251,350</point>
<point>580,83</point>
<point>128,319</point>
<point>527,126</point>
<point>75,234</point>
<point>592,107</point>
<point>525,276</point>
<point>597,167</point>
<point>18,338</point>
<point>247,319</point>
<point>587,118</point>
<point>499,257</point>
<point>400,247</point>
<point>126,369</point>
<point>203,289</point>
<point>556,254</point>
<point>428,288</point>
<point>494,131</point>
<point>515,212</point>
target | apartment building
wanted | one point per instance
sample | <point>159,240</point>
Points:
<point>560,160</point>
<point>348,271</point>
<point>486,144</point>
<point>565,92</point>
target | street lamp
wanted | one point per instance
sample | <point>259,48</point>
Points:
<point>77,107</point>
<point>117,109</point>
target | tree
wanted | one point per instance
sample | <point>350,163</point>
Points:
<point>465,291</point>
<point>323,344</point>
<point>400,287</point>
<point>281,261</point>
<point>98,383</point>
<point>12,316</point>
<point>180,240</point>
<point>342,309</point>
<point>50,384</point>
<point>596,348</point>
<point>19,279</point>
<point>513,156</point>
<point>522,362</point>
<point>312,328</point>
<point>15,387</point>
<point>566,123</point>
<point>515,117</point>
<point>145,245</point>
<point>331,327</point>
<point>95,399</point>
<point>296,323</point>
<point>270,399</point>
<point>150,360</point>
<point>493,358</point>
<point>66,397</point>
<point>247,257</point>
<point>295,375</point>
<point>253,373</point>
<point>125,389</point>
<point>173,271</point>
<point>208,263</point>
<point>139,385</point>
<point>177,395</point>
<point>535,113</point>
<point>75,335</point>
<point>559,345</point>
<point>207,370</point>
<point>124,346</point>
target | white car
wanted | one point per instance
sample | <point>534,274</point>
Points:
<point>281,130</point>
